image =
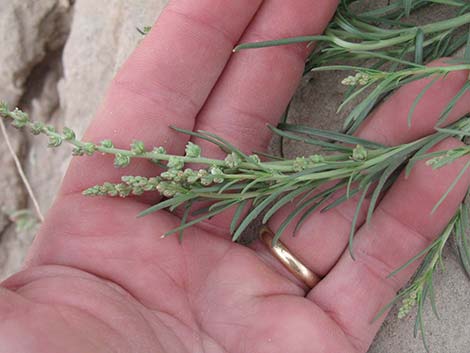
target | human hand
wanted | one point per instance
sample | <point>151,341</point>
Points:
<point>100,280</point>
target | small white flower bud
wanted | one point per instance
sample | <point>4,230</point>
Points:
<point>138,147</point>
<point>232,160</point>
<point>359,153</point>
<point>193,150</point>
<point>121,160</point>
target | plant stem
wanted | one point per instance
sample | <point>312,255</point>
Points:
<point>22,174</point>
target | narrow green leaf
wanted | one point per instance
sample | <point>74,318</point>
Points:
<point>330,135</point>
<point>347,196</point>
<point>413,259</point>
<point>216,206</point>
<point>432,297</point>
<point>198,220</point>
<point>231,147</point>
<point>404,51</point>
<point>211,207</point>
<point>413,78</point>
<point>269,156</point>
<point>421,324</point>
<point>466,56</point>
<point>448,109</point>
<point>205,190</point>
<point>419,46</point>
<point>453,132</point>
<point>451,187</point>
<point>355,219</point>
<point>357,114</point>
<point>388,306</point>
<point>324,193</point>
<point>394,165</point>
<point>236,217</point>
<point>357,92</point>
<point>373,175</point>
<point>202,136</point>
<point>184,219</point>
<point>407,5</point>
<point>174,201</point>
<point>228,186</point>
<point>417,322</point>
<point>451,46</point>
<point>291,217</point>
<point>346,68</point>
<point>450,3</point>
<point>283,119</point>
<point>462,239</point>
<point>308,140</point>
<point>387,58</point>
<point>311,210</point>
<point>255,212</point>
<point>441,47</point>
<point>284,200</point>
<point>285,41</point>
<point>354,176</point>
<point>251,184</point>
<point>419,97</point>
<point>430,155</point>
<point>306,196</point>
<point>355,123</point>
<point>422,152</point>
<point>330,166</point>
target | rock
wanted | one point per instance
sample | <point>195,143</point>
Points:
<point>57,85</point>
<point>102,36</point>
<point>13,198</point>
<point>29,30</point>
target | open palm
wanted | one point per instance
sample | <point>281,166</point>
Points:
<point>100,280</point>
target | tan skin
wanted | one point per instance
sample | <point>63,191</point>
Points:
<point>99,280</point>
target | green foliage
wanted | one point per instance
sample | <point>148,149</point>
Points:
<point>421,287</point>
<point>264,186</point>
<point>144,31</point>
<point>383,40</point>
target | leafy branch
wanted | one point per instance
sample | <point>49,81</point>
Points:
<point>348,166</point>
<point>384,40</point>
<point>421,288</point>
<point>380,83</point>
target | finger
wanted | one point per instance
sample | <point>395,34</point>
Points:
<point>257,85</point>
<point>321,240</point>
<point>166,81</point>
<point>402,226</point>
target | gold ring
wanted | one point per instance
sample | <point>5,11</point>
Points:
<point>288,260</point>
